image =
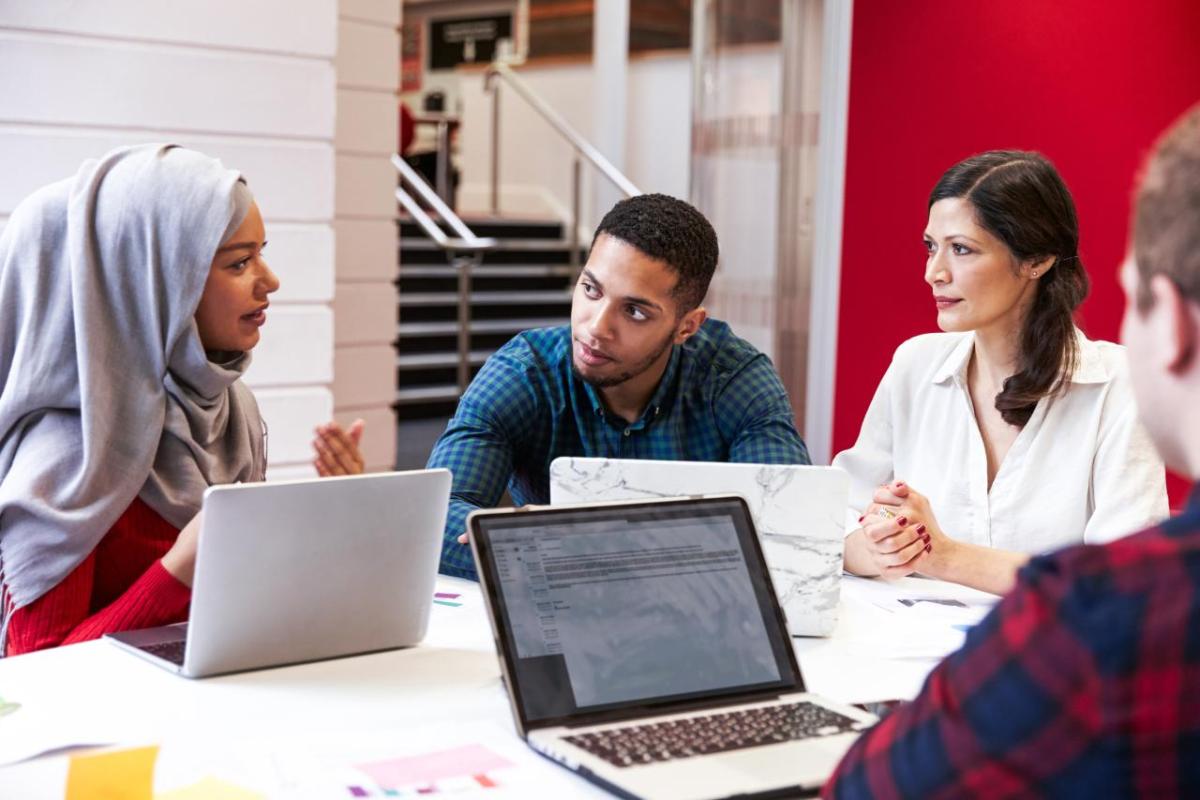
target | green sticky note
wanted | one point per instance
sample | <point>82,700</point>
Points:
<point>113,775</point>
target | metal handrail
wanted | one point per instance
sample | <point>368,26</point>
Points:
<point>582,146</point>
<point>466,239</point>
<point>465,252</point>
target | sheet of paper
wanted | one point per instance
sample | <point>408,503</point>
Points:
<point>189,768</point>
<point>922,601</point>
<point>907,644</point>
<point>112,775</point>
<point>473,762</point>
<point>50,725</point>
<point>865,680</point>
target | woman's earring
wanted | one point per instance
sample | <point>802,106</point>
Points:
<point>1035,273</point>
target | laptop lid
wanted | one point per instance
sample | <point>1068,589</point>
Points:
<point>304,570</point>
<point>797,510</point>
<point>622,610</point>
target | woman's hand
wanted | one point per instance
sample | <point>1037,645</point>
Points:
<point>336,450</point>
<point>901,500</point>
<point>891,547</point>
<point>946,555</point>
<point>180,560</point>
<point>986,568</point>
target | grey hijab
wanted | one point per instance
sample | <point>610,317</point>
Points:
<point>106,393</point>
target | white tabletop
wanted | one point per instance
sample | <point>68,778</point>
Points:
<point>95,693</point>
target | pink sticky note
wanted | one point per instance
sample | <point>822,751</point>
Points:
<point>446,595</point>
<point>430,768</point>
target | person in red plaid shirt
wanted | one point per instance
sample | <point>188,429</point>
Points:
<point>1085,680</point>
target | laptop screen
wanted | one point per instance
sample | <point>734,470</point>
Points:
<point>625,607</point>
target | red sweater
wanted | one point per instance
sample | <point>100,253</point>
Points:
<point>120,586</point>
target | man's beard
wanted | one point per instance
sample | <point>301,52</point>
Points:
<point>618,379</point>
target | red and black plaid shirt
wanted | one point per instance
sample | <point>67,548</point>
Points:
<point>1083,682</point>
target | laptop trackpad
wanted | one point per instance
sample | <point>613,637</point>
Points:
<point>769,768</point>
<point>150,636</point>
<point>810,761</point>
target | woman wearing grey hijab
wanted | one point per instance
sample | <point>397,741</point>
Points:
<point>130,298</point>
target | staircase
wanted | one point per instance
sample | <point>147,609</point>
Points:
<point>524,283</point>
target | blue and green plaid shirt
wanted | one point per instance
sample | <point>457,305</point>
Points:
<point>720,399</point>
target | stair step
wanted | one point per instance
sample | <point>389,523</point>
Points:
<point>495,227</point>
<point>414,244</point>
<point>426,394</point>
<point>486,298</point>
<point>478,326</point>
<point>489,271</point>
<point>432,360</point>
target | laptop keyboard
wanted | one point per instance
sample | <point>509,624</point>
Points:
<point>168,651</point>
<point>715,733</point>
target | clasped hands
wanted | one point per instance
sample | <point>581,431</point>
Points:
<point>900,533</point>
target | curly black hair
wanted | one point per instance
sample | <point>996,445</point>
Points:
<point>669,230</point>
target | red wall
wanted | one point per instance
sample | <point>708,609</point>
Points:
<point>1088,84</point>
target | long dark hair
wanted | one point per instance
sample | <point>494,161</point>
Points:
<point>1020,198</point>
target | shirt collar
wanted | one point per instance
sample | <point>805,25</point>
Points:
<point>956,361</point>
<point>1089,366</point>
<point>662,394</point>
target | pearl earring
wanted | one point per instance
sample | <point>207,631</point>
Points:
<point>1035,273</point>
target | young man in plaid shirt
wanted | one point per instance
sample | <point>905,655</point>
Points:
<point>641,372</point>
<point>1085,680</point>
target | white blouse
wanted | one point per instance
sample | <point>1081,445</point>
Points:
<point>1082,469</point>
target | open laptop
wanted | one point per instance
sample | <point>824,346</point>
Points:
<point>644,648</point>
<point>305,570</point>
<point>799,513</point>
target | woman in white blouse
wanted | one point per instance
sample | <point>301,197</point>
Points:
<point>1010,434</point>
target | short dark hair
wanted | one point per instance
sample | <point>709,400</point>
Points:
<point>1166,217</point>
<point>669,230</point>
<point>1020,198</point>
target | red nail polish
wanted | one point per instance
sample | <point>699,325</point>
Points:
<point>860,519</point>
<point>921,529</point>
<point>902,521</point>
<point>900,484</point>
<point>928,548</point>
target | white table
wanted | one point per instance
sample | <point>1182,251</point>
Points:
<point>94,692</point>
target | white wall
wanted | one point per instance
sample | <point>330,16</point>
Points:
<point>535,170</point>
<point>368,76</point>
<point>251,83</point>
<point>659,121</point>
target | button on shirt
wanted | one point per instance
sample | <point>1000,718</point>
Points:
<point>1081,470</point>
<point>719,399</point>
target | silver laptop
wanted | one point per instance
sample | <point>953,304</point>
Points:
<point>644,648</point>
<point>799,513</point>
<point>305,570</point>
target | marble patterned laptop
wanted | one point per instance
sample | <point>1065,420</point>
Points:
<point>799,513</point>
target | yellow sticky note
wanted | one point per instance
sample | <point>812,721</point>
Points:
<point>112,775</point>
<point>209,788</point>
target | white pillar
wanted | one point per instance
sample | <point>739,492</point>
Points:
<point>610,70</point>
<point>364,361</point>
